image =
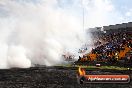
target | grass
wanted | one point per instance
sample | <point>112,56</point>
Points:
<point>106,67</point>
<point>94,67</point>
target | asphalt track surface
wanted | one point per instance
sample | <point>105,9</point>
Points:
<point>52,77</point>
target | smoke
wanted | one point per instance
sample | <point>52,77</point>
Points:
<point>37,33</point>
<point>40,31</point>
<point>17,57</point>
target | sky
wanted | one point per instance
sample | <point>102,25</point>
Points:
<point>96,12</point>
<point>100,12</point>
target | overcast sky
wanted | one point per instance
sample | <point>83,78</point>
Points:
<point>101,12</point>
<point>96,12</point>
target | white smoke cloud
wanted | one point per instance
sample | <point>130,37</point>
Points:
<point>39,31</point>
<point>3,56</point>
<point>17,57</point>
<point>36,33</point>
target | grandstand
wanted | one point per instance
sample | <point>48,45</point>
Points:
<point>113,44</point>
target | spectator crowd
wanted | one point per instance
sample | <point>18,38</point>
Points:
<point>117,45</point>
